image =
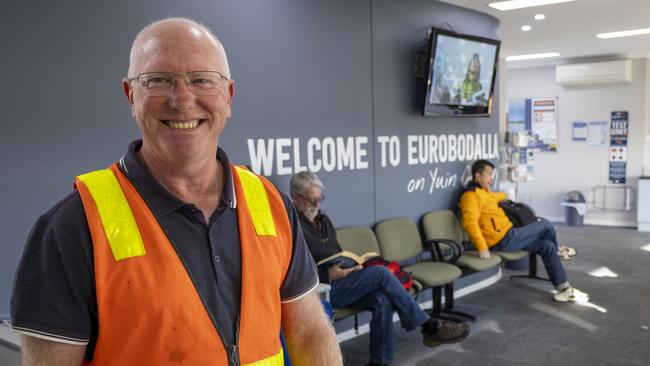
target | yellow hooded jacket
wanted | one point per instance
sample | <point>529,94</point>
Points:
<point>485,222</point>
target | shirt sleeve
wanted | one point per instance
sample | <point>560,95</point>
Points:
<point>471,211</point>
<point>301,277</point>
<point>500,196</point>
<point>53,296</point>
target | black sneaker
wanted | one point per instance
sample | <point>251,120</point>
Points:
<point>448,332</point>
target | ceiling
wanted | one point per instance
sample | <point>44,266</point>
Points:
<point>570,29</point>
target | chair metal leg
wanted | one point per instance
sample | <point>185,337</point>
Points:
<point>356,324</point>
<point>456,315</point>
<point>447,312</point>
<point>449,305</point>
<point>532,269</point>
<point>436,298</point>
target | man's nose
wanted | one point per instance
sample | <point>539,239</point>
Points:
<point>181,96</point>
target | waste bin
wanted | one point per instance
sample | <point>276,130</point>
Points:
<point>575,208</point>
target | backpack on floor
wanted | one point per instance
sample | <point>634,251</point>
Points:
<point>405,278</point>
<point>519,213</point>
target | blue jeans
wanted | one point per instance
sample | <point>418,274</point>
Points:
<point>538,237</point>
<point>377,290</point>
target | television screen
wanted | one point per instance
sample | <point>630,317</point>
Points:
<point>461,74</point>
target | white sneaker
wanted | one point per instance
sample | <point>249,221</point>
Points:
<point>566,253</point>
<point>571,294</point>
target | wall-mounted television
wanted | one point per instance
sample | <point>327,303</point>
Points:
<point>460,74</point>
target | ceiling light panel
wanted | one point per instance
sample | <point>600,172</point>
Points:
<point>532,56</point>
<point>519,4</point>
<point>626,33</point>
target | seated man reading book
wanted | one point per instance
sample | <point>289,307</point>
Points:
<point>372,288</point>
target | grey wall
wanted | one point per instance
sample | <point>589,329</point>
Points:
<point>395,27</point>
<point>576,165</point>
<point>302,69</point>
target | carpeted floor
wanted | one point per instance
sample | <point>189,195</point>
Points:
<point>519,324</point>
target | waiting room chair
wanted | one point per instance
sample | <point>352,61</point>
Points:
<point>400,240</point>
<point>360,240</point>
<point>444,228</point>
<point>511,257</point>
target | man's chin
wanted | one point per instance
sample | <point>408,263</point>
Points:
<point>311,216</point>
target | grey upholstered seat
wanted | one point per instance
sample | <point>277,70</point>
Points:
<point>443,225</point>
<point>400,240</point>
<point>359,240</point>
<point>511,256</point>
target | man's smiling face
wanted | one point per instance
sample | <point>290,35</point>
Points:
<point>181,125</point>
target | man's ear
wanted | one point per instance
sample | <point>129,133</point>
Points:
<point>231,94</point>
<point>126,87</point>
<point>128,91</point>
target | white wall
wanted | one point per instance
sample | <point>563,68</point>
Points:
<point>576,165</point>
<point>646,131</point>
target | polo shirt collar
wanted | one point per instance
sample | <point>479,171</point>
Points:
<point>158,198</point>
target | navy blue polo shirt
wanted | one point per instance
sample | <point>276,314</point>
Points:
<point>321,240</point>
<point>54,292</point>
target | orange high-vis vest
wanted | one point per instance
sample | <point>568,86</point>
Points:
<point>149,310</point>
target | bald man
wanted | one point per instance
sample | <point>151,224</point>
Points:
<point>172,255</point>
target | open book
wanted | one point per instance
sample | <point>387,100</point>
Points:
<point>347,259</point>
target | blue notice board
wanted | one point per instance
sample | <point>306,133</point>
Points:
<point>580,131</point>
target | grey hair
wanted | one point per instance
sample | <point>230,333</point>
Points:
<point>177,20</point>
<point>304,180</point>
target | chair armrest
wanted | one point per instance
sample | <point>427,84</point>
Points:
<point>436,251</point>
<point>467,245</point>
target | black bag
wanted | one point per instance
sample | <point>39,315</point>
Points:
<point>519,213</point>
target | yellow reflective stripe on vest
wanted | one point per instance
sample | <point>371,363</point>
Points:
<point>275,360</point>
<point>258,202</point>
<point>115,214</point>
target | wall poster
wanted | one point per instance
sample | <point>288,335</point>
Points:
<point>597,133</point>
<point>537,118</point>
<point>580,131</point>
<point>618,147</point>
<point>544,123</point>
<point>518,120</point>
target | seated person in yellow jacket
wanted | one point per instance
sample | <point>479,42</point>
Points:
<point>489,228</point>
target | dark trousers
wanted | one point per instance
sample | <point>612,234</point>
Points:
<point>377,290</point>
<point>538,237</point>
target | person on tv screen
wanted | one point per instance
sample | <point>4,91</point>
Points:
<point>471,85</point>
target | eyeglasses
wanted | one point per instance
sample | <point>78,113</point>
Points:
<point>161,84</point>
<point>312,201</point>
